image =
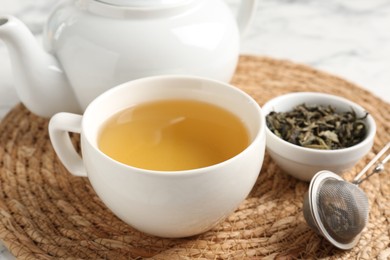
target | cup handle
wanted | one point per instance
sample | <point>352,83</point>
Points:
<point>245,14</point>
<point>59,127</point>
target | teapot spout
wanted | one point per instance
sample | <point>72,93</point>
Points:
<point>40,82</point>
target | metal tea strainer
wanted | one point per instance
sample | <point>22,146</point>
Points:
<point>337,209</point>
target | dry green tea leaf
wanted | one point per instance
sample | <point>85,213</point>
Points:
<point>319,127</point>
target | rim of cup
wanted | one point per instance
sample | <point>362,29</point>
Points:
<point>253,140</point>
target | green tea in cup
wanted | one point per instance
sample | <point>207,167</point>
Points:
<point>173,135</point>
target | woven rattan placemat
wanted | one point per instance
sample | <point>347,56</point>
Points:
<point>45,213</point>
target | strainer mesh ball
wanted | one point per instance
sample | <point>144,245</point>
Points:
<point>343,209</point>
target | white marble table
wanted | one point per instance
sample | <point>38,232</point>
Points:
<point>348,38</point>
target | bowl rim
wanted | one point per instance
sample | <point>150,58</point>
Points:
<point>302,97</point>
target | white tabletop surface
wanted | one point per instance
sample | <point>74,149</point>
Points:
<point>348,38</point>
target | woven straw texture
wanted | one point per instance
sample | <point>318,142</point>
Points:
<point>45,213</point>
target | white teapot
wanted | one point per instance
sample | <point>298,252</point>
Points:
<point>93,45</point>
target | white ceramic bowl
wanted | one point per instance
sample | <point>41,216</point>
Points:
<point>303,163</point>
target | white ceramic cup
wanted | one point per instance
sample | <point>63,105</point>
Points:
<point>166,204</point>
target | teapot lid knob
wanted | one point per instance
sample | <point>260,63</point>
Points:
<point>141,3</point>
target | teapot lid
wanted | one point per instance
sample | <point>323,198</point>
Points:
<point>140,3</point>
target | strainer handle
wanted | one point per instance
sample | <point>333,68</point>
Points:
<point>379,167</point>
